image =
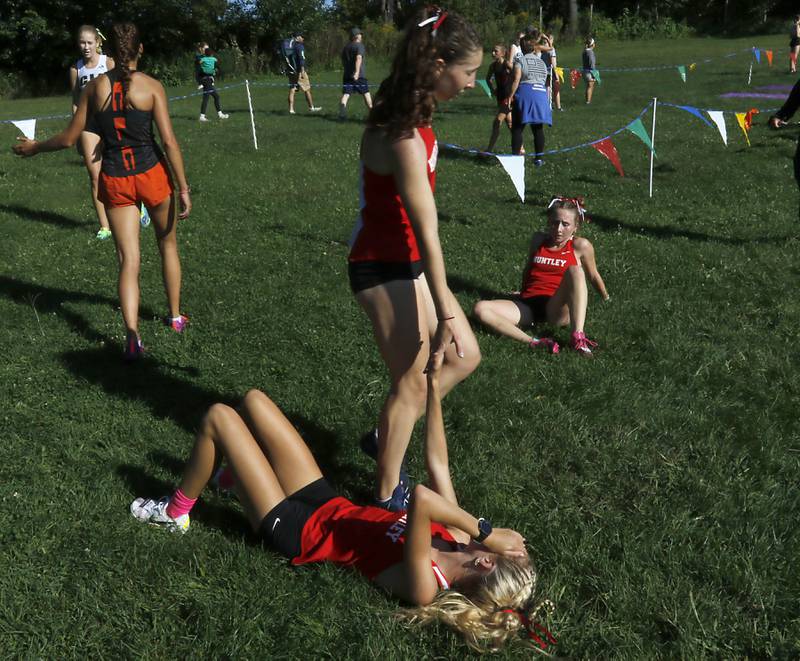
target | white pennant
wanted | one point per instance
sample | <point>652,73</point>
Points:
<point>719,119</point>
<point>515,167</point>
<point>27,126</point>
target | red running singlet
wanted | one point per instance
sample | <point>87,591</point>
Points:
<point>546,270</point>
<point>383,232</point>
<point>367,538</point>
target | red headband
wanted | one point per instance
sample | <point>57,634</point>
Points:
<point>526,622</point>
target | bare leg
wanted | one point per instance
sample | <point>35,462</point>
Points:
<point>568,305</point>
<point>91,148</point>
<point>165,222</point>
<point>224,433</point>
<point>505,317</point>
<point>589,91</point>
<point>309,100</point>
<point>291,99</point>
<point>343,105</point>
<point>368,100</point>
<point>125,228</point>
<point>285,450</point>
<point>495,133</point>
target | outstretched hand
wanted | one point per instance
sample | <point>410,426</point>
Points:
<point>445,336</point>
<point>776,122</point>
<point>507,542</point>
<point>25,147</point>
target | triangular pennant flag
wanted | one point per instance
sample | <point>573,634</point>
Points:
<point>696,113</point>
<point>692,66</point>
<point>596,75</point>
<point>757,54</point>
<point>740,119</point>
<point>637,128</point>
<point>769,57</point>
<point>27,126</point>
<point>682,72</point>
<point>719,119</point>
<point>485,86</point>
<point>574,77</point>
<point>607,149</point>
<point>748,118</point>
<point>515,167</point>
<point>560,74</point>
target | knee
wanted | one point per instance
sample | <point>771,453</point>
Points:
<point>129,260</point>
<point>254,399</point>
<point>413,390</point>
<point>481,311</point>
<point>217,415</point>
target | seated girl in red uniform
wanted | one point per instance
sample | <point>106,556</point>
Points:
<point>454,567</point>
<point>121,106</point>
<point>554,283</point>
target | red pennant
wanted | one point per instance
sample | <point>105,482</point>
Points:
<point>574,77</point>
<point>748,118</point>
<point>607,149</point>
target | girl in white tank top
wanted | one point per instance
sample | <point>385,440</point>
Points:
<point>91,65</point>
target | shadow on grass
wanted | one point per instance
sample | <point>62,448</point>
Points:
<point>288,230</point>
<point>460,285</point>
<point>41,216</point>
<point>665,232</point>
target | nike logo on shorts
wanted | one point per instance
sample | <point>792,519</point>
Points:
<point>275,525</point>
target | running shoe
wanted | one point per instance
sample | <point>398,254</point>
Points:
<point>178,325</point>
<point>222,115</point>
<point>203,118</point>
<point>582,344</point>
<point>292,112</point>
<point>154,512</point>
<point>398,501</point>
<point>144,216</point>
<point>103,233</point>
<point>538,162</point>
<point>315,109</point>
<point>547,343</point>
<point>134,349</point>
<point>369,446</point>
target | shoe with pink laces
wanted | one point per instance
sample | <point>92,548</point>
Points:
<point>582,344</point>
<point>547,343</point>
<point>178,324</point>
<point>134,349</point>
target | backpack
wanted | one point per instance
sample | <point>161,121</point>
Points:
<point>283,56</point>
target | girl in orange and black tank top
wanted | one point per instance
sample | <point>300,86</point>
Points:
<point>396,267</point>
<point>121,106</point>
<point>553,285</point>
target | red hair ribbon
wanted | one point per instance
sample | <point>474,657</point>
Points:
<point>577,201</point>
<point>526,622</point>
<point>437,19</point>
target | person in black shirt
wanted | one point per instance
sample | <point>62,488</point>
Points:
<point>298,77</point>
<point>782,117</point>
<point>354,80</point>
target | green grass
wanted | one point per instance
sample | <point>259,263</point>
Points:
<point>656,484</point>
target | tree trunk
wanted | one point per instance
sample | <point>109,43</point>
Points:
<point>573,18</point>
<point>388,11</point>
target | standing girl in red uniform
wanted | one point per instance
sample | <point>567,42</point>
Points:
<point>554,283</point>
<point>122,105</point>
<point>454,567</point>
<point>396,267</point>
<point>93,63</point>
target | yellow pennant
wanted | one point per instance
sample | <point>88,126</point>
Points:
<point>560,74</point>
<point>692,66</point>
<point>740,119</point>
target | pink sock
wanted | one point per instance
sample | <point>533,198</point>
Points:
<point>179,504</point>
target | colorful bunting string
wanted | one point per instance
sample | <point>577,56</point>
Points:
<point>740,119</point>
<point>757,54</point>
<point>682,72</point>
<point>560,74</point>
<point>637,128</point>
<point>719,119</point>
<point>515,168</point>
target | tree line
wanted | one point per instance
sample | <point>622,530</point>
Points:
<point>37,37</point>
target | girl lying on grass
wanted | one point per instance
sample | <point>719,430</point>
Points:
<point>453,567</point>
<point>553,283</point>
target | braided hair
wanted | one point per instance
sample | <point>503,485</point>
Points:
<point>125,44</point>
<point>405,100</point>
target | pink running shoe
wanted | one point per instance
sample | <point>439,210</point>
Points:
<point>582,344</point>
<point>547,343</point>
<point>179,324</point>
<point>134,349</point>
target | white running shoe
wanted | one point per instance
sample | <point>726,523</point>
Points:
<point>222,115</point>
<point>154,512</point>
<point>203,118</point>
<point>315,109</point>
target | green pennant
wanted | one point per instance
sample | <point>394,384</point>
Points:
<point>485,86</point>
<point>682,72</point>
<point>596,75</point>
<point>637,128</point>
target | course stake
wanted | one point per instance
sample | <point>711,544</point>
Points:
<point>653,144</point>
<point>252,119</point>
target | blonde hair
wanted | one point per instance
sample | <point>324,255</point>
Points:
<point>97,36</point>
<point>489,611</point>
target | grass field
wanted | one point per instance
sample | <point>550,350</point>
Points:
<point>657,484</point>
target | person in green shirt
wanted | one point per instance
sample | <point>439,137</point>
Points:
<point>209,69</point>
